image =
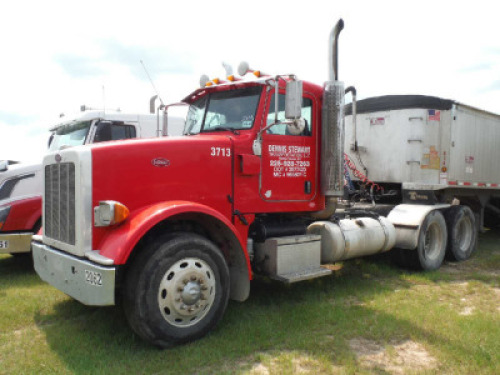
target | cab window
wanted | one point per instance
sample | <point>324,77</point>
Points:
<point>223,110</point>
<point>281,128</point>
<point>122,132</point>
<point>107,131</point>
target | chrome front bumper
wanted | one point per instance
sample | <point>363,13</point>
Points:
<point>15,243</point>
<point>85,281</point>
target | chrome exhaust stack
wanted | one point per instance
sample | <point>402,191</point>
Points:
<point>332,146</point>
<point>334,50</point>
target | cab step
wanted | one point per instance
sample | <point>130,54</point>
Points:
<point>290,278</point>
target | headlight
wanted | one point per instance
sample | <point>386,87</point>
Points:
<point>109,213</point>
<point>4,212</point>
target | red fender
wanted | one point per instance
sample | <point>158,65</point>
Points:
<point>23,214</point>
<point>119,243</point>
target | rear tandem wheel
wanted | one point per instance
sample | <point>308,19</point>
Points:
<point>431,246</point>
<point>462,232</point>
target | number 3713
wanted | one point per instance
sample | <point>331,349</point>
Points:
<point>220,151</point>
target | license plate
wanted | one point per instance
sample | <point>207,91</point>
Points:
<point>93,278</point>
<point>4,244</point>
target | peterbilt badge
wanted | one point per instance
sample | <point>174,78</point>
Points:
<point>160,162</point>
<point>58,158</point>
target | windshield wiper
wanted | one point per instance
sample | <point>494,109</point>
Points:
<point>222,128</point>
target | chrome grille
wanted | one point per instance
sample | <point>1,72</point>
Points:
<point>59,210</point>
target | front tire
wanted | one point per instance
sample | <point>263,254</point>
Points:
<point>462,232</point>
<point>176,290</point>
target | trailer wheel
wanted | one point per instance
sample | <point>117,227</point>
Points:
<point>462,232</point>
<point>431,247</point>
<point>177,290</point>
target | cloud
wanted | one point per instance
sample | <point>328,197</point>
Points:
<point>158,60</point>
<point>22,143</point>
<point>480,67</point>
<point>79,66</point>
<point>493,50</point>
<point>493,86</point>
<point>161,60</point>
<point>13,118</point>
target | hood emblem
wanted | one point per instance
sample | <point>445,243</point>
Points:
<point>58,158</point>
<point>160,162</point>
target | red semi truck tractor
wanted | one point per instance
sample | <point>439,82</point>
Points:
<point>174,227</point>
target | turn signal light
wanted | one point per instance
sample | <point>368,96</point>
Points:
<point>110,213</point>
<point>121,213</point>
<point>444,169</point>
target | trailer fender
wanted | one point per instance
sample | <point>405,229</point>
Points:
<point>407,219</point>
<point>119,243</point>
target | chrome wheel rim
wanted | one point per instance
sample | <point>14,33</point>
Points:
<point>433,241</point>
<point>186,292</point>
<point>464,233</point>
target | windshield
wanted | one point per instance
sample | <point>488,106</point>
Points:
<point>72,134</point>
<point>232,109</point>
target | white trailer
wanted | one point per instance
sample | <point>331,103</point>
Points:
<point>425,150</point>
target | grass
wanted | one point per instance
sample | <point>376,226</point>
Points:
<point>369,317</point>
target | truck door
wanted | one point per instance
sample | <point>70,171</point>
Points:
<point>288,161</point>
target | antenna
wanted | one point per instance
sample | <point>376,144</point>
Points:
<point>152,83</point>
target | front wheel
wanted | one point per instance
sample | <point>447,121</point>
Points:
<point>177,290</point>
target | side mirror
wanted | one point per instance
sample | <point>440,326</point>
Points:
<point>103,132</point>
<point>293,100</point>
<point>4,165</point>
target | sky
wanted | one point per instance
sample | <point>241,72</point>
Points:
<point>59,55</point>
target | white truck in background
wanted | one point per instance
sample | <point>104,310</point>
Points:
<point>21,184</point>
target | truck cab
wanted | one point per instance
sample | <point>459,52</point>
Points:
<point>247,168</point>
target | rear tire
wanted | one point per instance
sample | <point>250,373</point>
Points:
<point>462,232</point>
<point>176,290</point>
<point>431,248</point>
